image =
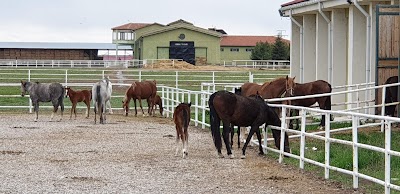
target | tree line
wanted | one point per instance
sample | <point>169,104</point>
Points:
<point>279,50</point>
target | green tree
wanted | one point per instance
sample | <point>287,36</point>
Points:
<point>262,51</point>
<point>280,50</point>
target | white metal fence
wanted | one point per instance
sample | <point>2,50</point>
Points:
<point>134,63</point>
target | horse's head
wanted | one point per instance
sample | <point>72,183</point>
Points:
<point>67,91</point>
<point>290,85</point>
<point>238,91</point>
<point>125,105</point>
<point>24,87</point>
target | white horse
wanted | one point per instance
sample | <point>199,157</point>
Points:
<point>101,94</point>
<point>108,103</point>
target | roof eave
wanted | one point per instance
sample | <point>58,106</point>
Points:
<point>311,6</point>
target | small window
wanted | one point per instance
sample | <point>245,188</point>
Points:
<point>222,49</point>
<point>234,49</point>
<point>249,50</point>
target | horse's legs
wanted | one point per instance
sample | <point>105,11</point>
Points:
<point>36,109</point>
<point>177,139</point>
<point>258,133</point>
<point>73,109</point>
<point>109,106</point>
<point>186,141</point>
<point>225,131</point>
<point>252,130</point>
<point>87,108</point>
<point>232,133</point>
<point>141,107</point>
<point>134,101</point>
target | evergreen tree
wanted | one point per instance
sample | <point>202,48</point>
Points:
<point>262,51</point>
<point>280,50</point>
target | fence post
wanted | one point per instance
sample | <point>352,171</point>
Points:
<point>327,143</point>
<point>213,80</point>
<point>29,99</point>
<point>383,108</point>
<point>265,138</point>
<point>140,75</point>
<point>203,107</point>
<point>355,151</point>
<point>66,77</point>
<point>103,74</point>
<point>162,97</point>
<point>388,132</point>
<point>251,77</point>
<point>283,126</point>
<point>196,110</point>
<point>302,137</point>
<point>176,79</point>
<point>167,102</point>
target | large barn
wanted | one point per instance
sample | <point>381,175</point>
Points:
<point>344,41</point>
<point>183,40</point>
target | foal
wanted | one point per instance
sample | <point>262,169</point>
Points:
<point>181,120</point>
<point>156,101</point>
<point>79,96</point>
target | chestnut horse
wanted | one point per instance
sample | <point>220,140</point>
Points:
<point>156,101</point>
<point>182,120</point>
<point>241,111</point>
<point>139,91</point>
<point>310,88</point>
<point>268,90</point>
<point>79,96</point>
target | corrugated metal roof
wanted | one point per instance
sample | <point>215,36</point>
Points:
<point>62,45</point>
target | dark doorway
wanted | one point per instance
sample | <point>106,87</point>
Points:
<point>182,50</point>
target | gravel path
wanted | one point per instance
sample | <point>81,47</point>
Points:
<point>133,155</point>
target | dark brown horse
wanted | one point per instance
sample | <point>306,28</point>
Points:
<point>79,96</point>
<point>156,101</point>
<point>139,91</point>
<point>242,111</point>
<point>391,95</point>
<point>310,88</point>
<point>273,89</point>
<point>182,120</point>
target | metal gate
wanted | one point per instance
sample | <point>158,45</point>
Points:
<point>182,50</point>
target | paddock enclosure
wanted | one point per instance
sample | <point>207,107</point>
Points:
<point>196,87</point>
<point>133,155</point>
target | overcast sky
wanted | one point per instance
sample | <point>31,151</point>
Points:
<point>92,20</point>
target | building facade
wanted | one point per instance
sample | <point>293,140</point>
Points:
<point>183,40</point>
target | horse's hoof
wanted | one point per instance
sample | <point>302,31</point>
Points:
<point>243,157</point>
<point>220,155</point>
<point>231,156</point>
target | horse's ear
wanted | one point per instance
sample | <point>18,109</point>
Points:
<point>287,77</point>
<point>294,77</point>
<point>190,104</point>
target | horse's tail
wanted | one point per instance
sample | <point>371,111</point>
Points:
<point>98,98</point>
<point>215,122</point>
<point>185,119</point>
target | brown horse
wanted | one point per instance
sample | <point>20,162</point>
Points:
<point>79,96</point>
<point>139,91</point>
<point>182,120</point>
<point>310,88</point>
<point>156,101</point>
<point>268,90</point>
<point>241,111</point>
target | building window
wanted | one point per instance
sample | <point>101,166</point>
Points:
<point>222,49</point>
<point>234,49</point>
<point>249,50</point>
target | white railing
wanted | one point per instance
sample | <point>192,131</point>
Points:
<point>257,64</point>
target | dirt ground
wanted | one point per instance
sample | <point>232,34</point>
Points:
<point>133,155</point>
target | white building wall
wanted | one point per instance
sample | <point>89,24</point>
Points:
<point>295,49</point>
<point>322,48</point>
<point>356,51</point>
<point>339,53</point>
<point>309,26</point>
